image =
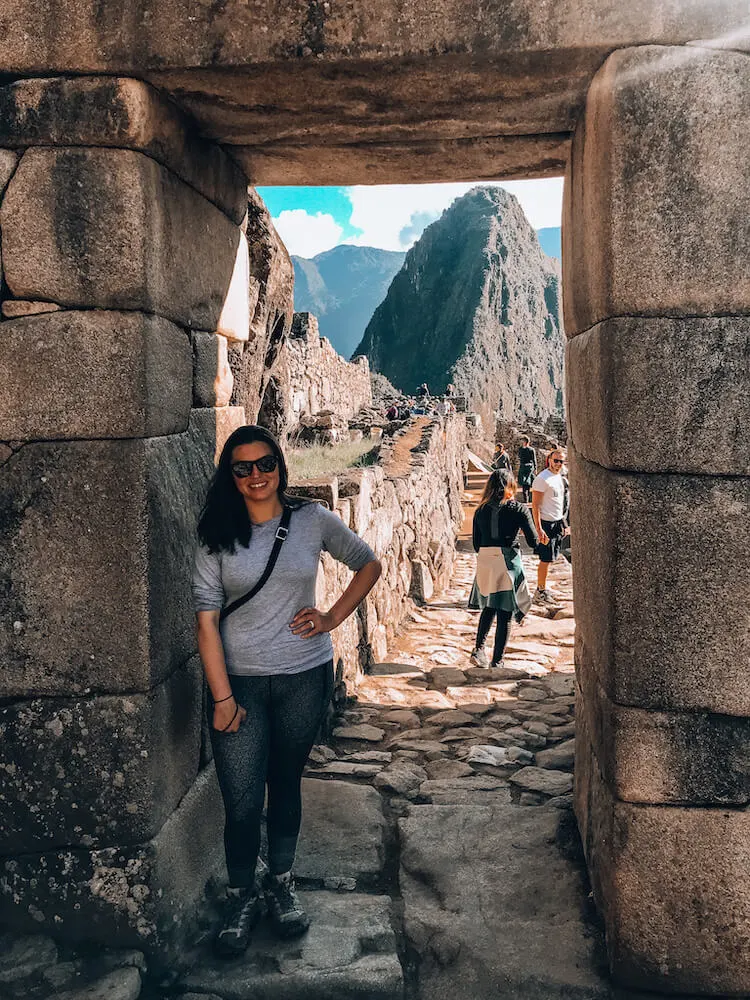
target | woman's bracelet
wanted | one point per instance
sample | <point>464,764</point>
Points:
<point>223,699</point>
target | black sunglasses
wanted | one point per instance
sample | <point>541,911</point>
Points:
<point>266,463</point>
<point>556,461</point>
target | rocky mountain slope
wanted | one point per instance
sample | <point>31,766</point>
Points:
<point>342,287</point>
<point>476,303</point>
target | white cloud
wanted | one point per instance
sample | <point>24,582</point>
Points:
<point>393,216</point>
<point>307,235</point>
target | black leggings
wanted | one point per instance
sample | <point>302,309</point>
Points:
<point>271,747</point>
<point>526,490</point>
<point>502,631</point>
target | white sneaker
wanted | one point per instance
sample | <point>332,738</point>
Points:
<point>479,658</point>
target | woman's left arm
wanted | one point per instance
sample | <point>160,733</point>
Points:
<point>311,621</point>
<point>350,549</point>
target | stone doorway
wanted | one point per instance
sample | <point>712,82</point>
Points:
<point>656,301</point>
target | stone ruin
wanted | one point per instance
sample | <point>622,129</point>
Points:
<point>325,390</point>
<point>124,255</point>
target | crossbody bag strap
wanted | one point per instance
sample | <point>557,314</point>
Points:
<point>281,532</point>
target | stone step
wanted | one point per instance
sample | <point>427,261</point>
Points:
<point>349,952</point>
<point>493,907</point>
<point>343,832</point>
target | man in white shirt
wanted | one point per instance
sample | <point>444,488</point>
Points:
<point>548,510</point>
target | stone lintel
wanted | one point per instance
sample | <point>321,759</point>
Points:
<point>662,395</point>
<point>113,229</point>
<point>666,758</point>
<point>98,772</point>
<point>147,896</point>
<point>93,374</point>
<point>653,223</point>
<point>661,584</point>
<point>96,560</point>
<point>125,114</point>
<point>665,878</point>
<point>407,162</point>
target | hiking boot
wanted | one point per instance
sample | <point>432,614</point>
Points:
<point>284,908</point>
<point>245,909</point>
<point>479,658</point>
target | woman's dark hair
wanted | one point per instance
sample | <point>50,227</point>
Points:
<point>224,520</point>
<point>500,486</point>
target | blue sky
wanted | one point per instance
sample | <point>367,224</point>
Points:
<point>392,217</point>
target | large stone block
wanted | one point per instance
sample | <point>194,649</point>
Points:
<point>93,375</point>
<point>668,883</point>
<point>651,224</point>
<point>212,376</point>
<point>661,395</point>
<point>112,229</point>
<point>126,114</point>
<point>98,772</point>
<point>146,896</point>
<point>96,558</point>
<point>661,587</point>
<point>343,831</point>
<point>666,758</point>
<point>480,910</point>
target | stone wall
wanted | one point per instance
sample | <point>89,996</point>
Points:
<point>319,377</point>
<point>125,281</point>
<point>408,508</point>
<point>657,296</point>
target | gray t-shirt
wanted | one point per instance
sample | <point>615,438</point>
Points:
<point>257,638</point>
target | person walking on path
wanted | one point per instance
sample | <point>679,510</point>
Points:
<point>500,584</point>
<point>526,468</point>
<point>268,660</point>
<point>501,458</point>
<point>548,508</point>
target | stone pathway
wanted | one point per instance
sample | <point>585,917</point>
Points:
<point>426,870</point>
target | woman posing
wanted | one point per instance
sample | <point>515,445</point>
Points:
<point>268,662</point>
<point>499,585</point>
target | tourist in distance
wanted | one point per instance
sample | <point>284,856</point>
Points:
<point>526,468</point>
<point>500,584</point>
<point>548,508</point>
<point>268,661</point>
<point>501,458</point>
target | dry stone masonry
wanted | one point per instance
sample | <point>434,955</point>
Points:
<point>656,244</point>
<point>123,221</point>
<point>125,275</point>
<point>319,378</point>
<point>407,507</point>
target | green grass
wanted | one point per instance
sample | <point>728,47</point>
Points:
<point>315,461</point>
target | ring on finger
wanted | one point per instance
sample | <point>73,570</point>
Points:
<point>311,623</point>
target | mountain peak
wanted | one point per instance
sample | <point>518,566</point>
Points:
<point>477,304</point>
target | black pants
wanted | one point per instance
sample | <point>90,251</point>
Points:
<point>502,631</point>
<point>284,713</point>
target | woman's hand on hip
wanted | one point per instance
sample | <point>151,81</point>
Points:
<point>228,716</point>
<point>309,622</point>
